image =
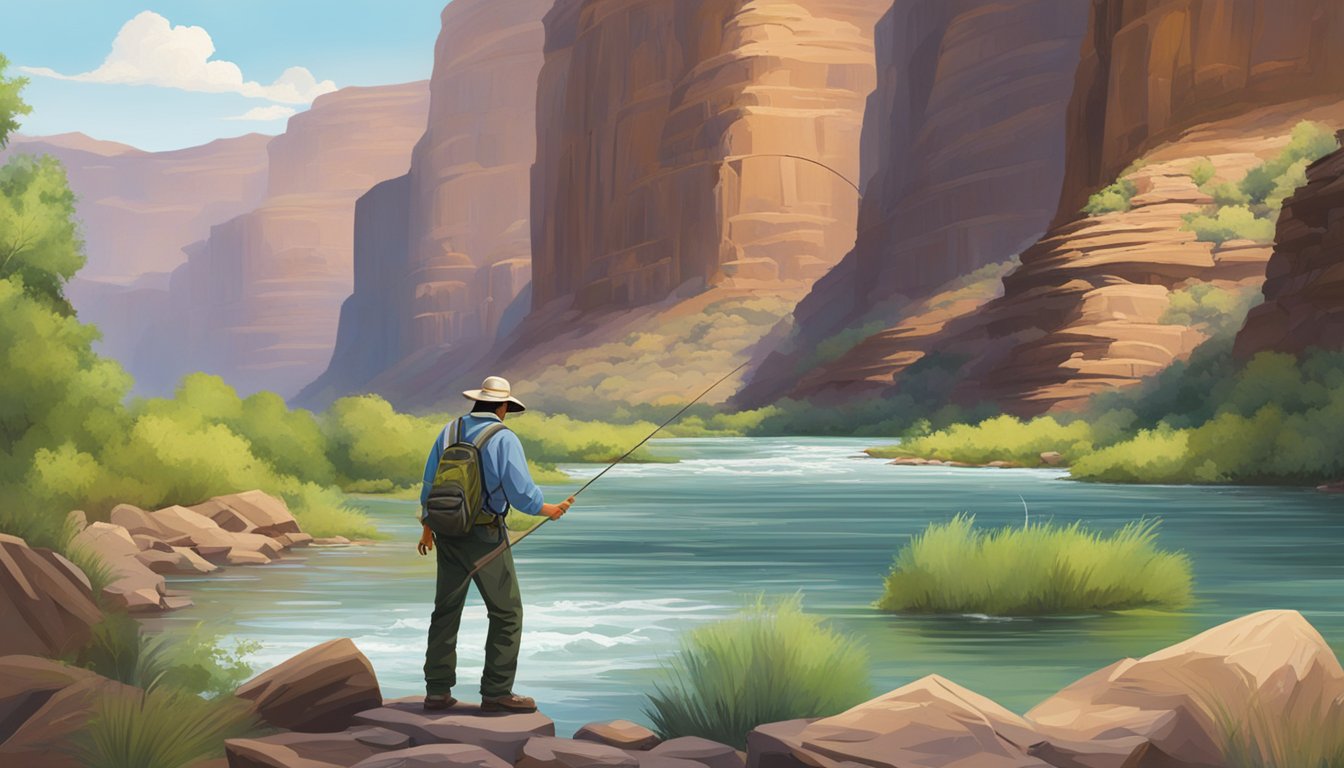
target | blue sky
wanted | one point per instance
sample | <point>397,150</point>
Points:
<point>159,88</point>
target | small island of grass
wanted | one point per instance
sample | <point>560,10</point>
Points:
<point>1036,570</point>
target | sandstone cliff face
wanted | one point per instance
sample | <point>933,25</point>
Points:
<point>442,252</point>
<point>962,158</point>
<point>258,301</point>
<point>1162,86</point>
<point>663,126</point>
<point>1152,68</point>
<point>1304,289</point>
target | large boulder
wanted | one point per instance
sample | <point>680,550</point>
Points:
<point>43,704</point>
<point>313,750</point>
<point>320,690</point>
<point>550,752</point>
<point>134,586</point>
<point>698,750</point>
<point>265,513</point>
<point>619,733</point>
<point>1270,667</point>
<point>929,723</point>
<point>225,517</point>
<point>502,734</point>
<point>45,600</point>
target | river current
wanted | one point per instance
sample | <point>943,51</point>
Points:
<point>653,549</point>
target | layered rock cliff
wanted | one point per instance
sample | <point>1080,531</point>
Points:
<point>962,156</point>
<point>1304,288</point>
<point>442,252</point>
<point>1166,92</point>
<point>258,301</point>
<point>1167,83</point>
<point>687,143</point>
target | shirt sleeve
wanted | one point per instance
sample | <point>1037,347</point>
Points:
<point>431,467</point>
<point>521,492</point>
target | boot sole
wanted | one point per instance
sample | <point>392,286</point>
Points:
<point>436,706</point>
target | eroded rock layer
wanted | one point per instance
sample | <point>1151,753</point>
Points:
<point>1304,288</point>
<point>687,143</point>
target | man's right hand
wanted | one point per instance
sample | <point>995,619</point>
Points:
<point>554,511</point>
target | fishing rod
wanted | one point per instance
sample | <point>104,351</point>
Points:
<point>506,544</point>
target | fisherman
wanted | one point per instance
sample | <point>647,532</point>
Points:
<point>507,483</point>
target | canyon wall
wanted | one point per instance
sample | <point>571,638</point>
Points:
<point>137,209</point>
<point>682,144</point>
<point>1304,286</point>
<point>442,252</point>
<point>1153,68</point>
<point>962,158</point>
<point>258,300</point>
<point>1166,83</point>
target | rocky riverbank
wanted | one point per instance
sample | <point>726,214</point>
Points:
<point>1173,708</point>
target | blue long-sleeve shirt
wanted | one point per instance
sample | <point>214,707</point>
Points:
<point>507,479</point>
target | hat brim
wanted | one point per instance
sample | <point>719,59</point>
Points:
<point>515,405</point>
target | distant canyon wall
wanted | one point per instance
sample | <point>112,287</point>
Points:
<point>664,134</point>
<point>258,300</point>
<point>442,252</point>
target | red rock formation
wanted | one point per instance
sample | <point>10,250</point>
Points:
<point>1152,68</point>
<point>1304,289</point>
<point>664,124</point>
<point>962,157</point>
<point>441,253</point>
<point>259,300</point>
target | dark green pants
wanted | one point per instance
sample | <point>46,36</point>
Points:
<point>498,585</point>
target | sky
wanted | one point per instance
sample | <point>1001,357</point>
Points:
<point>178,73</point>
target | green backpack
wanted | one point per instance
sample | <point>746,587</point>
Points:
<point>457,497</point>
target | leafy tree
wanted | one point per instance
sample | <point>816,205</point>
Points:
<point>11,103</point>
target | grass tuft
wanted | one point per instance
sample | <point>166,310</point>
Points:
<point>160,728</point>
<point>772,662</point>
<point>1035,570</point>
<point>1307,733</point>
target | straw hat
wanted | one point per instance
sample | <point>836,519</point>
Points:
<point>495,389</point>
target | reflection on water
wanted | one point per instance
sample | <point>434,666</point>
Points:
<point>653,549</point>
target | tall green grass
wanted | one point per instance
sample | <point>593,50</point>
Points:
<point>772,662</point>
<point>160,728</point>
<point>1037,569</point>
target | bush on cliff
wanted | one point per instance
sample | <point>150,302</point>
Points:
<point>772,662</point>
<point>1038,569</point>
<point>1111,199</point>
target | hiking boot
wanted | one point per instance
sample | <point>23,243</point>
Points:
<point>511,702</point>
<point>437,701</point>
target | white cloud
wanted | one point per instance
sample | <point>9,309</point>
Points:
<point>265,114</point>
<point>151,51</point>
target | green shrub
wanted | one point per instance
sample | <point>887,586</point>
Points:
<point>1310,141</point>
<point>160,728</point>
<point>1202,171</point>
<point>1217,310</point>
<point>772,662</point>
<point>1112,199</point>
<point>195,662</point>
<point>1231,222</point>
<point>1003,438</point>
<point>1039,569</point>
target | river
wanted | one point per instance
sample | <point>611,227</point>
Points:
<point>653,549</point>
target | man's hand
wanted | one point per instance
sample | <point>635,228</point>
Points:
<point>426,544</point>
<point>554,511</point>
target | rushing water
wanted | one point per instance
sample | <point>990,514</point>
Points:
<point>653,549</point>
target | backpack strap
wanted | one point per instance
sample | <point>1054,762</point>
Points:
<point>450,433</point>
<point>482,438</point>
